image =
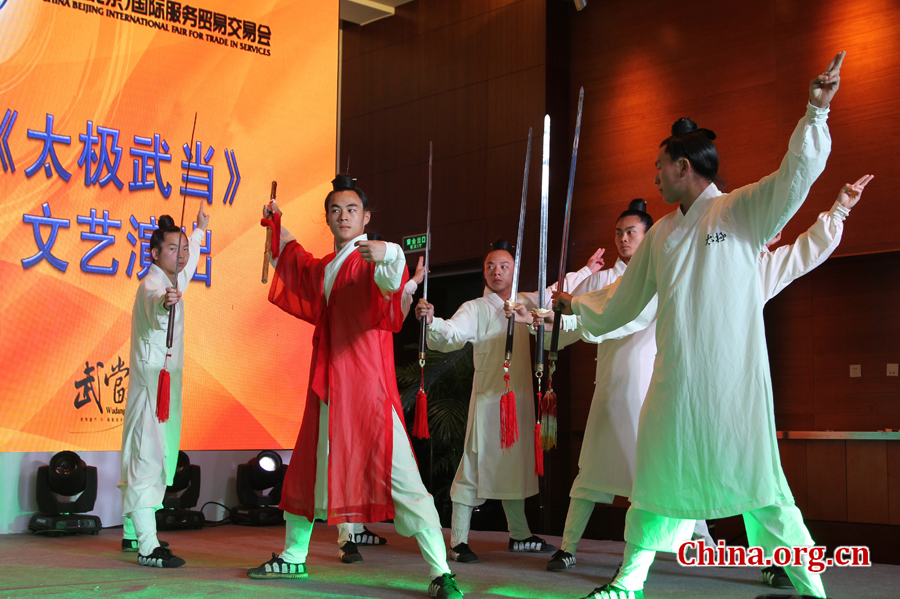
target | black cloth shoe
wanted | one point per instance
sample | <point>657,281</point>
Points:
<point>775,577</point>
<point>610,592</point>
<point>561,561</point>
<point>278,568</point>
<point>349,554</point>
<point>532,544</point>
<point>463,554</point>
<point>131,545</point>
<point>367,537</point>
<point>444,586</point>
<point>160,558</point>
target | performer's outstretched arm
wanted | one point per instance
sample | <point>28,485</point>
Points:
<point>777,269</point>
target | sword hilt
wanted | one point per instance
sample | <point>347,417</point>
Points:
<point>539,350</point>
<point>422,332</point>
<point>554,336</point>
<point>510,331</point>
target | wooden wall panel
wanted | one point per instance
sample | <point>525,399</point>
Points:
<point>893,460</point>
<point>826,481</point>
<point>867,482</point>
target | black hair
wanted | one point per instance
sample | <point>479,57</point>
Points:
<point>375,237</point>
<point>166,224</point>
<point>695,144</point>
<point>359,192</point>
<point>638,208</point>
<point>500,244</point>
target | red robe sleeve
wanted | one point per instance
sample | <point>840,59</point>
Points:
<point>297,284</point>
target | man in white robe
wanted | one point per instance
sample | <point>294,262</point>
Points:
<point>706,445</point>
<point>486,471</point>
<point>150,447</point>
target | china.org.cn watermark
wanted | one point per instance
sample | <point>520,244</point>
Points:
<point>698,553</point>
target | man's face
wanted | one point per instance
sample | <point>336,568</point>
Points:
<point>629,233</point>
<point>498,271</point>
<point>346,217</point>
<point>670,178</point>
<point>171,254</point>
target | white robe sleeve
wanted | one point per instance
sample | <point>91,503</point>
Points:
<point>409,290</point>
<point>572,280</point>
<point>570,329</point>
<point>190,267</point>
<point>606,310</point>
<point>453,334</point>
<point>777,269</point>
<point>766,206</point>
<point>389,272</point>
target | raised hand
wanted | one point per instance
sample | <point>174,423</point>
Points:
<point>562,302</point>
<point>202,217</point>
<point>372,251</point>
<point>420,271</point>
<point>596,262</point>
<point>823,87</point>
<point>850,194</point>
<point>423,308</point>
<point>270,208</point>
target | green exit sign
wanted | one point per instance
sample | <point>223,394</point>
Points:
<point>415,243</point>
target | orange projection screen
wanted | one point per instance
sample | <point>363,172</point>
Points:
<point>97,100</point>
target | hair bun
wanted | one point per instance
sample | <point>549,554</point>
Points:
<point>638,204</point>
<point>502,244</point>
<point>686,125</point>
<point>165,221</point>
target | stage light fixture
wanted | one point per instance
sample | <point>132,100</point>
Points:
<point>66,489</point>
<point>258,507</point>
<point>180,496</point>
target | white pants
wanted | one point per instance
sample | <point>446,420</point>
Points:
<point>515,520</point>
<point>415,514</point>
<point>778,525</point>
<point>143,482</point>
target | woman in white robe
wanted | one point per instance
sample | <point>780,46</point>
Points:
<point>706,444</point>
<point>149,447</point>
<point>486,471</point>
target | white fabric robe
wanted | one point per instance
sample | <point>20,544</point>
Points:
<point>706,445</point>
<point>148,446</point>
<point>509,473</point>
<point>624,366</point>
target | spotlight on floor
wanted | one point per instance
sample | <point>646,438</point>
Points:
<point>263,473</point>
<point>66,489</point>
<point>181,495</point>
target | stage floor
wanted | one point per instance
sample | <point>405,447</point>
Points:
<point>217,560</point>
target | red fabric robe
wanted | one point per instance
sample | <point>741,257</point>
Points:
<point>352,371</point>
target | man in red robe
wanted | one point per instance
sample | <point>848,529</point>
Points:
<point>353,459</point>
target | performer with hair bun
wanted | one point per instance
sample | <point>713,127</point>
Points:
<point>487,471</point>
<point>150,447</point>
<point>624,366</point>
<point>706,445</point>
<point>353,462</point>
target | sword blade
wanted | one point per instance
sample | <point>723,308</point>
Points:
<point>521,233</point>
<point>557,319</point>
<point>542,249</point>
<point>545,201</point>
<point>565,239</point>
<point>428,223</point>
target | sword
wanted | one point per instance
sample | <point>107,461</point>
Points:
<point>510,329</point>
<point>542,252</point>
<point>557,318</point>
<point>420,425</point>
<point>424,322</point>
